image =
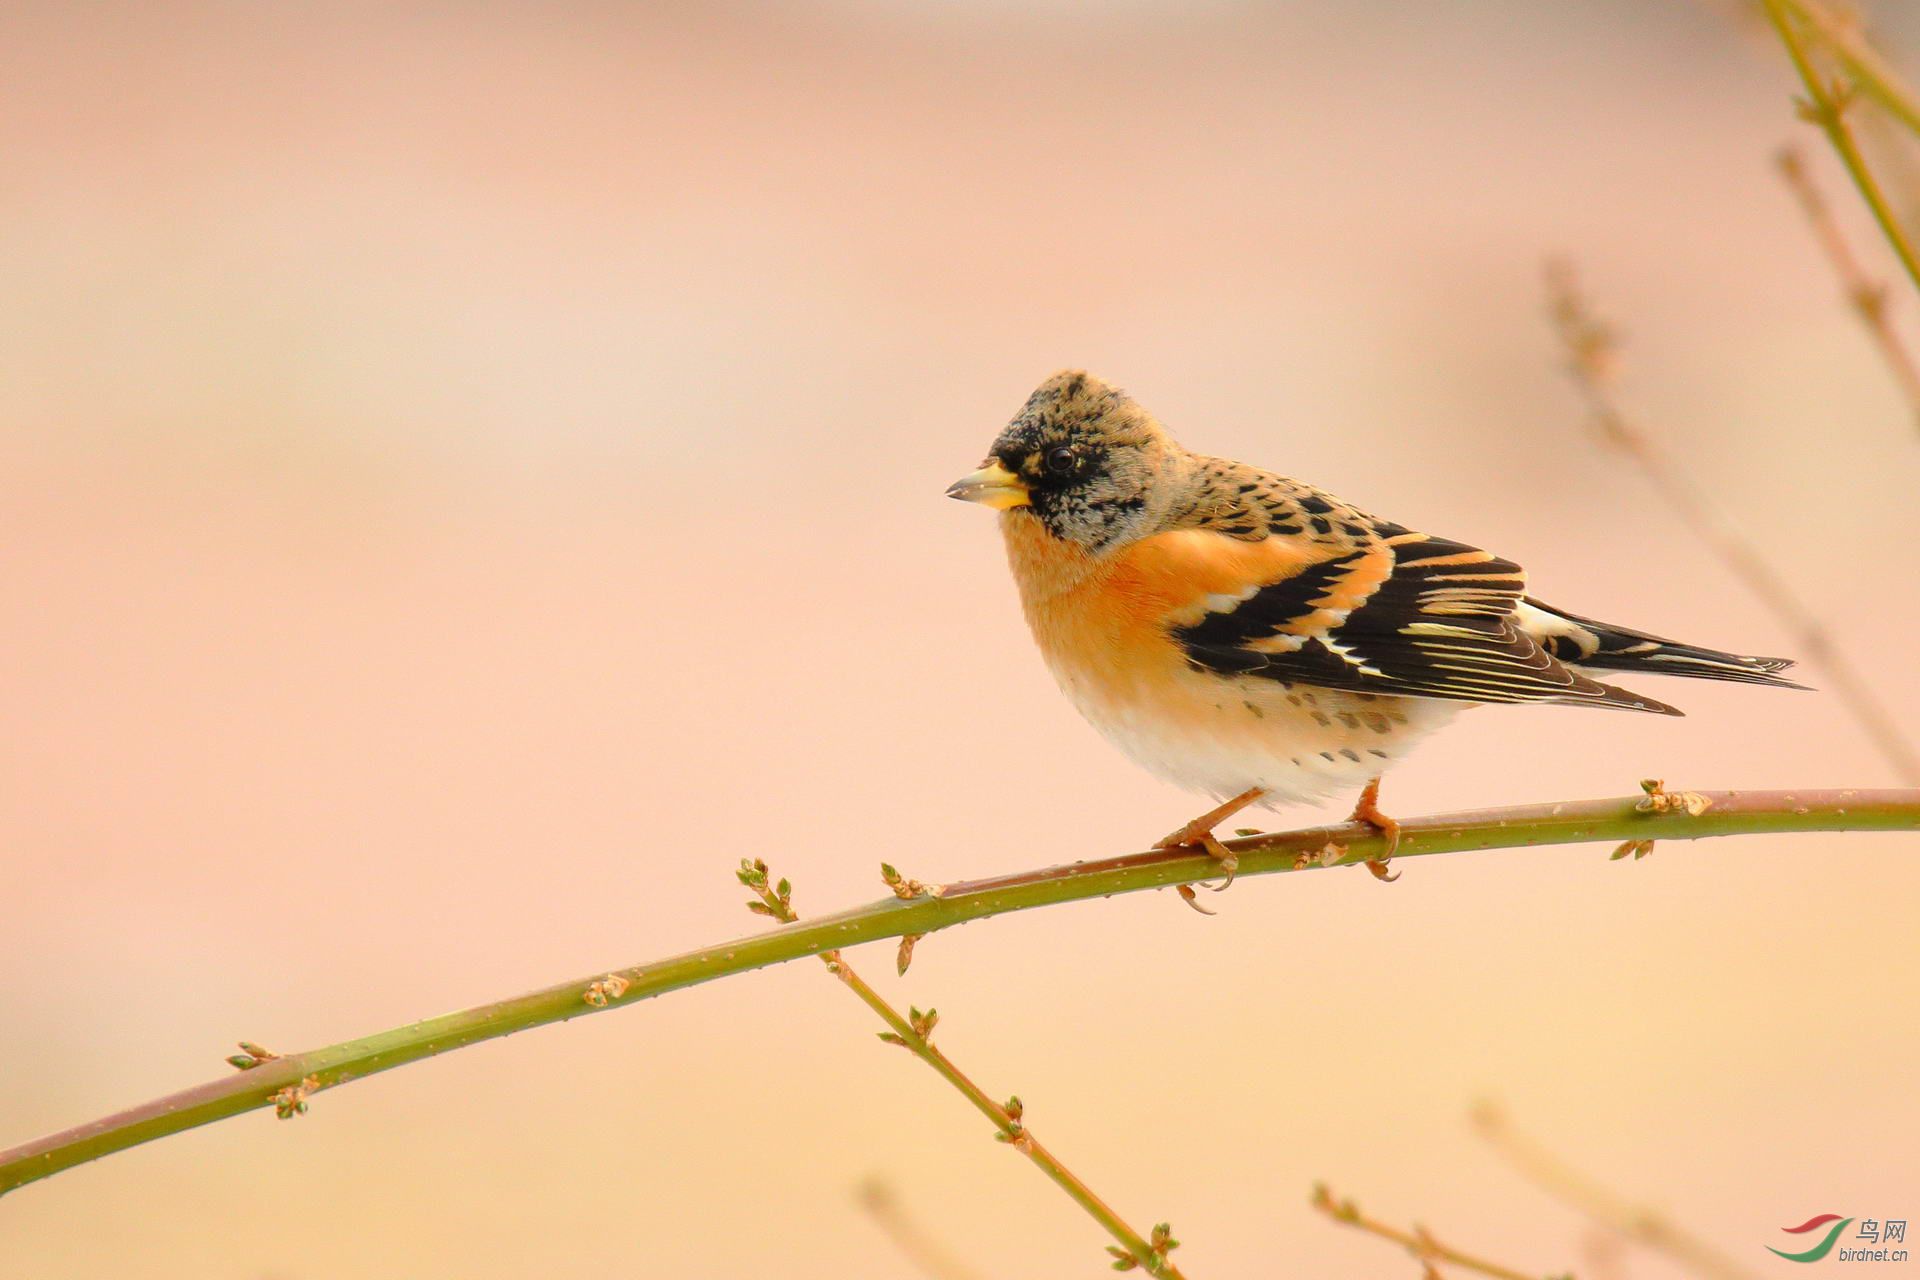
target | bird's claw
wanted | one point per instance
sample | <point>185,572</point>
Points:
<point>1389,831</point>
<point>1188,837</point>
<point>1187,896</point>
<point>1229,860</point>
<point>1208,843</point>
<point>1367,813</point>
<point>1197,837</point>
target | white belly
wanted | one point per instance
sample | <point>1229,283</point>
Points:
<point>1298,743</point>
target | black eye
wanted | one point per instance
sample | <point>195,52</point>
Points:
<point>1061,460</point>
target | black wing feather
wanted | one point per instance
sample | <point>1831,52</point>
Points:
<point>1595,645</point>
<point>1441,625</point>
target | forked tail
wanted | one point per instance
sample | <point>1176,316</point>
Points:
<point>1600,646</point>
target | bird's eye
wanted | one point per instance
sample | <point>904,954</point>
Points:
<point>1060,460</point>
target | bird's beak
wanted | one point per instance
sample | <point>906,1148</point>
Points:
<point>992,485</point>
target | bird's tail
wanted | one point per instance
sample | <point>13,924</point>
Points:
<point>1601,646</point>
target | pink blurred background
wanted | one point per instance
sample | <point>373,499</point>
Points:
<point>468,474</point>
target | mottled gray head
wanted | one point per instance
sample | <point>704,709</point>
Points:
<point>1082,458</point>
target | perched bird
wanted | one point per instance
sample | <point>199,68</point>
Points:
<point>1253,638</point>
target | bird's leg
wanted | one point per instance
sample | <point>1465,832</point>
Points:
<point>1198,834</point>
<point>1367,811</point>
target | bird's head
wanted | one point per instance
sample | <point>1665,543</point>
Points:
<point>1081,458</point>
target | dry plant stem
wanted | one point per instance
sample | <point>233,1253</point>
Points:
<point>1525,826</point>
<point>1602,1205</point>
<point>1867,297</point>
<point>1827,110</point>
<point>1013,1130</point>
<point>926,1253</point>
<point>1590,343</point>
<point>1866,67</point>
<point>1419,1242</point>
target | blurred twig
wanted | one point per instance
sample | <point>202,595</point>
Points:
<point>914,1240</point>
<point>1594,352</point>
<point>1825,106</point>
<point>1419,1241</point>
<point>1867,297</point>
<point>1867,68</point>
<point>914,1032</point>
<point>1609,1210</point>
<point>927,909</point>
<point>1601,1255</point>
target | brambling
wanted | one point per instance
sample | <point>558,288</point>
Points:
<point>1253,638</point>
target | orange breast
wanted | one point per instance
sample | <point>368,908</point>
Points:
<point>1102,624</point>
<point>1107,618</point>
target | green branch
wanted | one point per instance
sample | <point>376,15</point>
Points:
<point>1825,107</point>
<point>287,1083</point>
<point>914,1032</point>
<point>1867,68</point>
<point>1419,1242</point>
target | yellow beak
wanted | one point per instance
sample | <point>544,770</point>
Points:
<point>992,485</point>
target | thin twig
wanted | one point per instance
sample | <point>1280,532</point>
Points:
<point>1347,844</point>
<point>1602,1205</point>
<point>1594,351</point>
<point>1867,68</point>
<point>1419,1241</point>
<point>1867,297</point>
<point>914,1240</point>
<point>1825,107</point>
<point>915,1032</point>
<point>1601,1255</point>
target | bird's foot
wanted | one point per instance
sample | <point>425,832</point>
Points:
<point>1208,843</point>
<point>1188,896</point>
<point>1367,812</point>
<point>1197,837</point>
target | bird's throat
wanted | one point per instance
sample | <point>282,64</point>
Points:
<point>1043,566</point>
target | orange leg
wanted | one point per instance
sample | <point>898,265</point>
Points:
<point>1198,834</point>
<point>1198,831</point>
<point>1367,811</point>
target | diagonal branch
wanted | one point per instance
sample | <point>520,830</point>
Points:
<point>1593,352</point>
<point>1825,107</point>
<point>1604,1206</point>
<point>1419,1242</point>
<point>928,1254</point>
<point>270,1081</point>
<point>914,1033</point>
<point>1866,296</point>
<point>1866,67</point>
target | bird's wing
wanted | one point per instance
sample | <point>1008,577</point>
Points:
<point>1384,611</point>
